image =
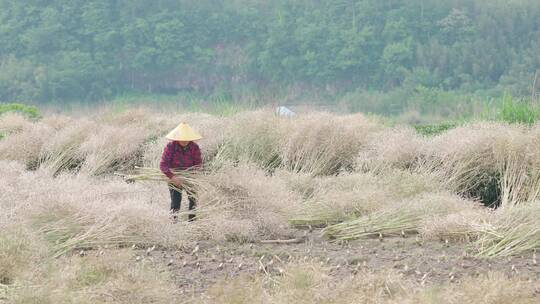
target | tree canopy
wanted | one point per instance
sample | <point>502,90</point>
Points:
<point>95,49</point>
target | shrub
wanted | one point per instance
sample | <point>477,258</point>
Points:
<point>29,111</point>
<point>434,129</point>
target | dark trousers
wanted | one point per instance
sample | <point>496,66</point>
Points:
<point>176,199</point>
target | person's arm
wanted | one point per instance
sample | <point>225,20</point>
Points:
<point>164,164</point>
<point>197,158</point>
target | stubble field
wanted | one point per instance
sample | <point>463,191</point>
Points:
<point>317,208</point>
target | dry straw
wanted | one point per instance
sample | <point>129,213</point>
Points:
<point>511,231</point>
<point>111,148</point>
<point>463,156</point>
<point>344,197</point>
<point>74,230</point>
<point>25,145</point>
<point>77,212</point>
<point>335,199</point>
<point>323,144</point>
<point>312,283</point>
<point>404,218</point>
<point>399,147</point>
<point>13,123</point>
<point>254,137</point>
<point>246,196</point>
<point>60,151</point>
<point>238,203</point>
<point>313,155</point>
<point>494,157</point>
<point>193,180</point>
<point>111,276</point>
<point>460,227</point>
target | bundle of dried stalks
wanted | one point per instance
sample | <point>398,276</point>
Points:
<point>404,218</point>
<point>254,137</point>
<point>61,151</point>
<point>111,148</point>
<point>485,160</point>
<point>335,199</point>
<point>323,144</point>
<point>193,180</point>
<point>13,123</point>
<point>512,230</point>
<point>246,197</point>
<point>24,146</point>
<point>393,148</point>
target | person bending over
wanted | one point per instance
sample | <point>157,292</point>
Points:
<point>181,153</point>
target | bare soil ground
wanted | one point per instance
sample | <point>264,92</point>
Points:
<point>426,262</point>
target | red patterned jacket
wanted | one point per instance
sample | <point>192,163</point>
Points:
<point>177,157</point>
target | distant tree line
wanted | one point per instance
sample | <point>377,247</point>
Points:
<point>95,49</point>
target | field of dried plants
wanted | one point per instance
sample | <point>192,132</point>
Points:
<point>319,208</point>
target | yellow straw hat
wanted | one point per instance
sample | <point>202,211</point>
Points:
<point>183,133</point>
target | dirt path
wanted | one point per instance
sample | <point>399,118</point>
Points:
<point>425,262</point>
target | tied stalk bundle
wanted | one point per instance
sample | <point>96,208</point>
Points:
<point>407,217</point>
<point>321,215</point>
<point>380,223</point>
<point>514,231</point>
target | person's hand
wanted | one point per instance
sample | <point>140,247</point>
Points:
<point>176,181</point>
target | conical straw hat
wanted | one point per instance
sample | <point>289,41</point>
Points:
<point>183,133</point>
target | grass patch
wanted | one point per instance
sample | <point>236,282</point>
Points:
<point>514,110</point>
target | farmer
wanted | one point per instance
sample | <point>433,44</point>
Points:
<point>181,153</point>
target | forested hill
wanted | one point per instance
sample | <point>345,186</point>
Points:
<point>93,49</point>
